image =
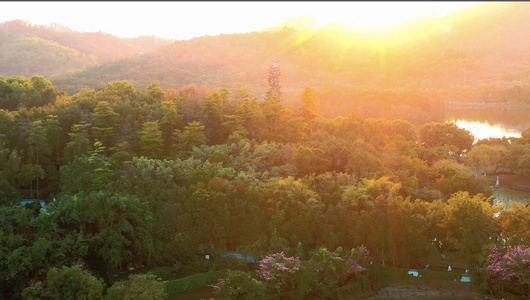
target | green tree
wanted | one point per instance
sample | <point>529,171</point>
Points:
<point>296,130</point>
<point>117,228</point>
<point>79,143</point>
<point>72,283</point>
<point>155,91</point>
<point>379,229</point>
<point>29,173</point>
<point>440,134</point>
<point>169,121</point>
<point>239,285</point>
<point>37,141</point>
<point>363,162</point>
<point>54,133</point>
<point>92,172</point>
<point>272,107</point>
<point>470,225</point>
<point>42,92</point>
<point>9,170</point>
<point>515,224</point>
<point>104,121</point>
<point>274,74</point>
<point>486,157</point>
<point>137,286</point>
<point>454,177</point>
<point>119,91</point>
<point>310,160</point>
<point>192,136</point>
<point>249,112</point>
<point>307,110</point>
<point>213,119</point>
<point>518,158</point>
<point>151,143</point>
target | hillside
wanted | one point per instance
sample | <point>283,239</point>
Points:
<point>135,180</point>
<point>27,50</point>
<point>155,183</point>
<point>471,53</point>
<point>475,54</point>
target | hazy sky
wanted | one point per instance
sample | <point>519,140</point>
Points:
<point>185,20</point>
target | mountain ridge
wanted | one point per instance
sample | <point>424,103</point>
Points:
<point>18,39</point>
<point>475,53</point>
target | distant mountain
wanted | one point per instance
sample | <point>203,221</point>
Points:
<point>300,23</point>
<point>480,53</point>
<point>482,44</point>
<point>27,50</point>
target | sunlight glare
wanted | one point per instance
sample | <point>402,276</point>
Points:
<point>381,15</point>
<point>185,20</point>
<point>484,130</point>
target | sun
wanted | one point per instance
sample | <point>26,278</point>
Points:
<point>382,15</point>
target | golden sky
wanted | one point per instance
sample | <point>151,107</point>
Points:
<point>185,20</point>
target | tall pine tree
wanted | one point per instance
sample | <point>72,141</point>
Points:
<point>275,90</point>
<point>272,106</point>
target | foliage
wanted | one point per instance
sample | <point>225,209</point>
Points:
<point>151,140</point>
<point>138,286</point>
<point>65,49</point>
<point>331,270</point>
<point>511,266</point>
<point>66,283</point>
<point>238,285</point>
<point>279,271</point>
<point>193,282</point>
<point>114,226</point>
<point>132,179</point>
<point>446,134</point>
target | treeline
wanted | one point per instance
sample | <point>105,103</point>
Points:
<point>439,58</point>
<point>136,178</point>
<point>441,54</point>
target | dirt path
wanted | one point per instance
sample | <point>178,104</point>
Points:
<point>451,290</point>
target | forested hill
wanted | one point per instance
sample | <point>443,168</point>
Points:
<point>27,50</point>
<point>135,179</point>
<point>474,53</point>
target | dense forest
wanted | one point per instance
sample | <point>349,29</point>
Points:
<point>136,179</point>
<point>131,168</point>
<point>476,54</point>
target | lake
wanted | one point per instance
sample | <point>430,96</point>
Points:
<point>485,123</point>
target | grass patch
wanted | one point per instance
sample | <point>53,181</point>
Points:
<point>510,296</point>
<point>193,282</point>
<point>165,273</point>
<point>428,298</point>
<point>392,276</point>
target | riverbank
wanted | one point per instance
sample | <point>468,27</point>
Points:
<point>511,187</point>
<point>447,291</point>
<point>511,181</point>
<point>504,195</point>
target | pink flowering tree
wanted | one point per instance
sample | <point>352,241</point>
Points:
<point>278,271</point>
<point>511,266</point>
<point>332,269</point>
<point>361,255</point>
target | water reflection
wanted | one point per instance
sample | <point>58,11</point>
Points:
<point>490,123</point>
<point>484,130</point>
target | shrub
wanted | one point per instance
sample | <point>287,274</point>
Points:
<point>238,285</point>
<point>138,286</point>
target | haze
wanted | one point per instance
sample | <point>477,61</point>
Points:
<point>185,20</point>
